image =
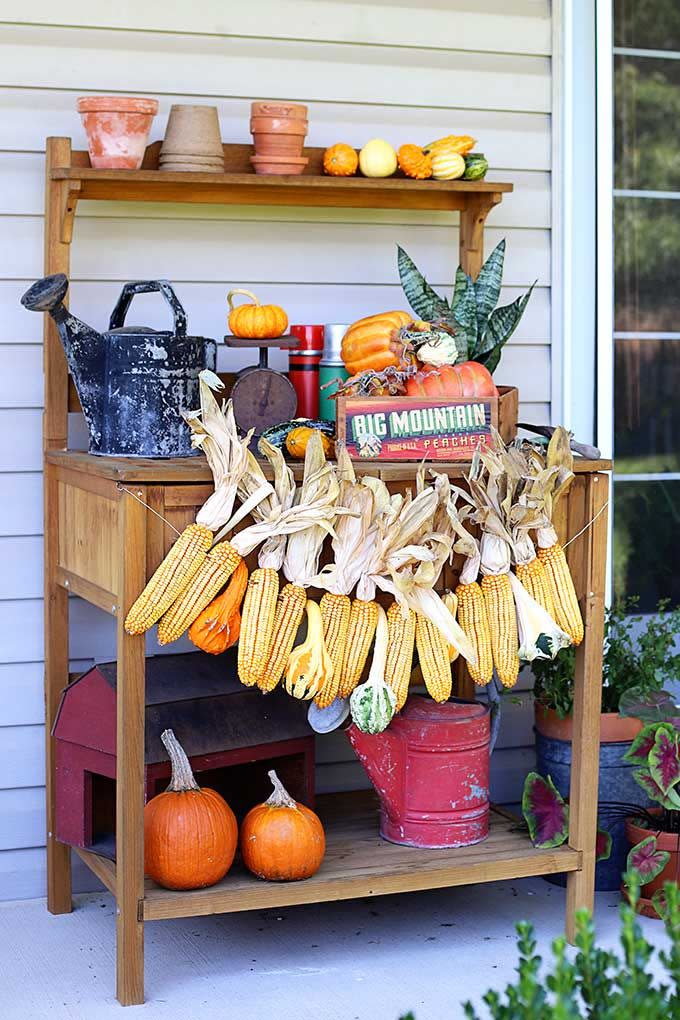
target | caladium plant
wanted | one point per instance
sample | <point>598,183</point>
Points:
<point>645,861</point>
<point>547,816</point>
<point>656,750</point>
<point>479,328</point>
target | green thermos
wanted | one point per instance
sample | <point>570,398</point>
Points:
<point>331,367</point>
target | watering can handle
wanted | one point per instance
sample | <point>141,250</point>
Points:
<point>146,287</point>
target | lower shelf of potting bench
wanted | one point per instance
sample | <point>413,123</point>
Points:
<point>359,863</point>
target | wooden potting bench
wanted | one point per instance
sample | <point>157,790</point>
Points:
<point>102,544</point>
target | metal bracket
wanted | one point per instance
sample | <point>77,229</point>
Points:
<point>70,193</point>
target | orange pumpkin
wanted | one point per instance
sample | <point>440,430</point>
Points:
<point>282,840</point>
<point>340,160</point>
<point>219,625</point>
<point>371,343</point>
<point>414,162</point>
<point>470,379</point>
<point>260,322</point>
<point>190,834</point>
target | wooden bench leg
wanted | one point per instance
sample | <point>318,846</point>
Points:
<point>587,705</point>
<point>130,705</point>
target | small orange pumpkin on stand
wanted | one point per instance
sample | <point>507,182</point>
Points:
<point>190,834</point>
<point>253,320</point>
<point>281,839</point>
<point>340,160</point>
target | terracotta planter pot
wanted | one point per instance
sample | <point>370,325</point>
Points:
<point>613,728</point>
<point>117,129</point>
<point>279,164</point>
<point>669,841</point>
<point>278,129</point>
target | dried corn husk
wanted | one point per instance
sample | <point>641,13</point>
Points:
<point>270,509</point>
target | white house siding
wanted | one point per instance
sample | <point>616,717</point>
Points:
<point>402,70</point>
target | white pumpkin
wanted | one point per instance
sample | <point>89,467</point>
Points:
<point>377,159</point>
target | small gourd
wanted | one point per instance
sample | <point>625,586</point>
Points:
<point>377,159</point>
<point>309,667</point>
<point>253,320</point>
<point>190,834</point>
<point>281,839</point>
<point>452,143</point>
<point>374,703</point>
<point>414,162</point>
<point>447,165</point>
<point>298,439</point>
<point>218,626</point>
<point>340,160</point>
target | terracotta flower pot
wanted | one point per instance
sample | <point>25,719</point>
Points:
<point>279,164</point>
<point>613,728</point>
<point>278,129</point>
<point>117,129</point>
<point>669,841</point>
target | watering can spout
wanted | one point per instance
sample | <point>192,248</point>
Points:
<point>379,755</point>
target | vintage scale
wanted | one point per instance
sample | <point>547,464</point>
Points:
<point>262,397</point>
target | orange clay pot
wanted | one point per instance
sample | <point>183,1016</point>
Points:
<point>117,129</point>
<point>279,131</point>
<point>613,728</point>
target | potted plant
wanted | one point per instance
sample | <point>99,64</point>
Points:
<point>638,663</point>
<point>655,833</point>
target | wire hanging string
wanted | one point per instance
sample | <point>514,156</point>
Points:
<point>121,488</point>
<point>586,526</point>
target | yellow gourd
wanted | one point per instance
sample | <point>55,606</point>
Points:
<point>309,665</point>
<point>298,439</point>
<point>261,322</point>
<point>461,144</point>
<point>447,165</point>
<point>377,159</point>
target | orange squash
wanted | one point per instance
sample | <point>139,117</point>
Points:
<point>190,834</point>
<point>340,160</point>
<point>219,625</point>
<point>281,839</point>
<point>469,379</point>
<point>371,343</point>
<point>260,322</point>
<point>414,162</point>
<point>297,440</point>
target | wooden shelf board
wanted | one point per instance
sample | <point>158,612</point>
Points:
<point>359,863</point>
<point>195,470</point>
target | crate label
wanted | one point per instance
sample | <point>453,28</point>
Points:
<point>410,428</point>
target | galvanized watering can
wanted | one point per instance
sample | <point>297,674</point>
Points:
<point>133,382</point>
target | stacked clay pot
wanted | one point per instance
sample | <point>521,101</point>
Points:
<point>192,140</point>
<point>278,131</point>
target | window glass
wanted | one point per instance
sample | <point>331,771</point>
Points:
<point>647,264</point>
<point>647,24</point>
<point>646,529</point>
<point>647,114</point>
<point>647,406</point>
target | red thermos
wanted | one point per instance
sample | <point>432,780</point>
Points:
<point>303,368</point>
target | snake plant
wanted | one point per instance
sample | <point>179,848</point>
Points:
<point>480,328</point>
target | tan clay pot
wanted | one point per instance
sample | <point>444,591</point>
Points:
<point>279,164</point>
<point>193,131</point>
<point>117,129</point>
<point>613,728</point>
<point>278,129</point>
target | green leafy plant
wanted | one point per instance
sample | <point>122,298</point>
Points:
<point>638,662</point>
<point>479,327</point>
<point>546,814</point>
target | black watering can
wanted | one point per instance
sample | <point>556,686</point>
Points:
<point>133,382</point>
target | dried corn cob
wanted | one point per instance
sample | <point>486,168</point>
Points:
<point>450,600</point>
<point>567,613</point>
<point>213,573</point>
<point>401,640</point>
<point>500,611</point>
<point>433,654</point>
<point>473,619</point>
<point>290,608</point>
<point>335,612</point>
<point>363,619</point>
<point>534,577</point>
<point>169,579</point>
<point>257,624</point>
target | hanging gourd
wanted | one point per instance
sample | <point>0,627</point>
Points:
<point>281,839</point>
<point>190,834</point>
<point>340,160</point>
<point>372,343</point>
<point>414,162</point>
<point>253,320</point>
<point>309,665</point>
<point>377,159</point>
<point>219,625</point>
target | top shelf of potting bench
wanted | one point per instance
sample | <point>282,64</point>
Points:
<point>239,185</point>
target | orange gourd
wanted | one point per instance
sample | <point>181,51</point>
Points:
<point>372,343</point>
<point>414,162</point>
<point>219,625</point>
<point>190,834</point>
<point>340,160</point>
<point>282,840</point>
<point>297,440</point>
<point>253,320</point>
<point>469,379</point>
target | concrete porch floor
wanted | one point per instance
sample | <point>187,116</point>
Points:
<point>370,959</point>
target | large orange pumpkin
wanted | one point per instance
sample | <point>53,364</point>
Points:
<point>282,840</point>
<point>371,343</point>
<point>190,834</point>
<point>470,379</point>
